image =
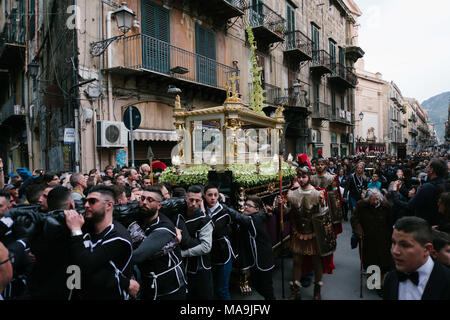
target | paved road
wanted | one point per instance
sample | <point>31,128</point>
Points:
<point>343,284</point>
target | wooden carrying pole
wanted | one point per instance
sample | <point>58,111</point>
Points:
<point>280,178</point>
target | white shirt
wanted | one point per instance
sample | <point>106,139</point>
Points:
<point>408,291</point>
<point>212,209</point>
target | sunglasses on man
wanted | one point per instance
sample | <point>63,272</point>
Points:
<point>92,201</point>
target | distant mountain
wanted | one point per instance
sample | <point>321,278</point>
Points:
<point>437,108</point>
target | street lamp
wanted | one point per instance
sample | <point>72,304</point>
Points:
<point>296,85</point>
<point>33,69</point>
<point>361,115</point>
<point>124,17</point>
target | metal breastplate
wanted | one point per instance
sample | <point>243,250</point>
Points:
<point>304,206</point>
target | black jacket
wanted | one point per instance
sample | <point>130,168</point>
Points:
<point>159,260</point>
<point>354,188</point>
<point>195,226</point>
<point>105,263</point>
<point>222,250</point>
<point>255,245</point>
<point>437,288</point>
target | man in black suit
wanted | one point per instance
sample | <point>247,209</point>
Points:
<point>417,276</point>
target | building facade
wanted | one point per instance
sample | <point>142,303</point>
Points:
<point>63,100</point>
<point>372,99</point>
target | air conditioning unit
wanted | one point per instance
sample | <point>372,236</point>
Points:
<point>111,134</point>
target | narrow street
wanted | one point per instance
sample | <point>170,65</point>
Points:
<point>343,284</point>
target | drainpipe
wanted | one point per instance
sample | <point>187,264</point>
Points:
<point>26,97</point>
<point>76,106</point>
<point>108,35</point>
<point>109,63</point>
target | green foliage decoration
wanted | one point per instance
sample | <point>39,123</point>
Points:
<point>243,174</point>
<point>256,93</point>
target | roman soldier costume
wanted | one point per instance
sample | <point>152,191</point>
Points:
<point>330,182</point>
<point>312,232</point>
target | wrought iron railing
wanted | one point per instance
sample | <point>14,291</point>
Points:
<point>148,53</point>
<point>321,110</point>
<point>351,76</point>
<point>342,116</point>
<point>240,4</point>
<point>321,58</point>
<point>261,15</point>
<point>298,40</point>
<point>293,98</point>
<point>271,93</point>
<point>13,32</point>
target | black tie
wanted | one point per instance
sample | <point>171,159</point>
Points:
<point>413,276</point>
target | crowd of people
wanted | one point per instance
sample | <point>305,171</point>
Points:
<point>130,237</point>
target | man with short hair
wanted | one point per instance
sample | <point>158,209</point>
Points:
<point>79,184</point>
<point>417,276</point>
<point>132,177</point>
<point>441,247</point>
<point>109,172</point>
<point>121,180</point>
<point>44,196</point>
<point>157,253</point>
<point>146,182</point>
<point>103,251</point>
<point>198,260</point>
<point>120,195</point>
<point>47,280</point>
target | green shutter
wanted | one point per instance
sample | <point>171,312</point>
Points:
<point>333,55</point>
<point>155,37</point>
<point>290,26</point>
<point>205,45</point>
<point>315,43</point>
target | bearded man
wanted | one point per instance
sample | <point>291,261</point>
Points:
<point>312,237</point>
<point>326,180</point>
<point>157,253</point>
<point>102,250</point>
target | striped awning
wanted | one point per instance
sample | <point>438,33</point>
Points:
<point>155,135</point>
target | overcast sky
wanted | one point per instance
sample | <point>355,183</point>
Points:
<point>408,42</point>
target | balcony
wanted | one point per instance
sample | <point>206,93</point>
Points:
<point>12,42</point>
<point>221,10</point>
<point>402,123</point>
<point>268,26</point>
<point>341,117</point>
<point>272,94</point>
<point>144,55</point>
<point>321,62</point>
<point>342,76</point>
<point>293,99</point>
<point>412,118</point>
<point>354,53</point>
<point>295,131</point>
<point>298,47</point>
<point>321,111</point>
<point>397,100</point>
<point>11,112</point>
